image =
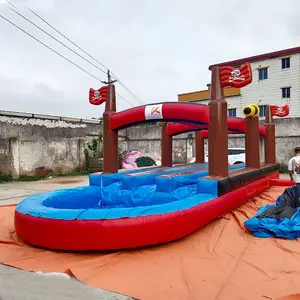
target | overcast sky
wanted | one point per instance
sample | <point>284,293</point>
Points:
<point>157,48</point>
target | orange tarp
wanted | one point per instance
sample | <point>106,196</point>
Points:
<point>220,261</point>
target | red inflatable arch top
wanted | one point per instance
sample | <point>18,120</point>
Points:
<point>204,133</point>
<point>235,125</point>
<point>168,111</point>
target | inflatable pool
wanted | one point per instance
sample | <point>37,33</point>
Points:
<point>128,209</point>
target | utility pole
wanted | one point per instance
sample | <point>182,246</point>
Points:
<point>109,82</point>
<point>110,137</point>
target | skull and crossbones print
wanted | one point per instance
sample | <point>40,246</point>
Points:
<point>96,95</point>
<point>236,75</point>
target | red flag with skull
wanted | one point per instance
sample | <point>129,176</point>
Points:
<point>236,77</point>
<point>280,111</point>
<point>97,97</point>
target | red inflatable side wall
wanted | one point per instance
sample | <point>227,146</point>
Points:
<point>131,232</point>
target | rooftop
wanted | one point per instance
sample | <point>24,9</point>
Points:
<point>205,94</point>
<point>259,57</point>
<point>28,115</point>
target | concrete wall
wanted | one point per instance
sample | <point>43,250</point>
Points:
<point>35,145</point>
<point>147,139</point>
<point>4,158</point>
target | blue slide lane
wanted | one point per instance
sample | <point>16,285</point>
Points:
<point>132,181</point>
<point>168,184</point>
<point>136,190</point>
<point>99,179</point>
<point>108,200</point>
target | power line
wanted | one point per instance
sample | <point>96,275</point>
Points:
<point>22,16</point>
<point>56,52</point>
<point>11,4</point>
<point>125,100</point>
<point>37,15</point>
<point>85,52</point>
<point>49,47</point>
<point>124,86</point>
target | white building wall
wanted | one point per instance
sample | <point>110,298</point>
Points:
<point>268,91</point>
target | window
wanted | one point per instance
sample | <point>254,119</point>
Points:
<point>263,73</point>
<point>232,112</point>
<point>262,111</point>
<point>286,92</point>
<point>285,63</point>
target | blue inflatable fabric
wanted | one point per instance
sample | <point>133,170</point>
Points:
<point>140,190</point>
<point>110,201</point>
<point>168,184</point>
<point>105,198</point>
<point>269,227</point>
<point>147,194</point>
<point>146,178</point>
<point>34,206</point>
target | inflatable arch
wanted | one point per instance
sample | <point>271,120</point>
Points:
<point>212,117</point>
<point>161,112</point>
<point>153,113</point>
<point>235,126</point>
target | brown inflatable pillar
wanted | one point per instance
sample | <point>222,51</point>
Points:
<point>252,142</point>
<point>218,128</point>
<point>270,143</point>
<point>166,147</point>
<point>110,138</point>
<point>199,147</point>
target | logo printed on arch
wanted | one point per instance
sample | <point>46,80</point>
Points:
<point>153,111</point>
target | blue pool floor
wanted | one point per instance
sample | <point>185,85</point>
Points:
<point>127,194</point>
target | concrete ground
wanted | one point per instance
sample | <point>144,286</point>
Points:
<point>35,286</point>
<point>284,176</point>
<point>32,286</point>
<point>15,192</point>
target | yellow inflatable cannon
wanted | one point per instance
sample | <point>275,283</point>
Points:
<point>251,110</point>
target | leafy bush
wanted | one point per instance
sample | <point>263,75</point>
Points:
<point>283,168</point>
<point>95,146</point>
<point>5,178</point>
<point>145,161</point>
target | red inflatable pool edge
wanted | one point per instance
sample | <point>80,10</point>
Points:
<point>90,235</point>
<point>282,182</point>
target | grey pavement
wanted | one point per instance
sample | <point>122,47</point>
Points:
<point>16,284</point>
<point>284,176</point>
<point>15,192</point>
<point>21,285</point>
